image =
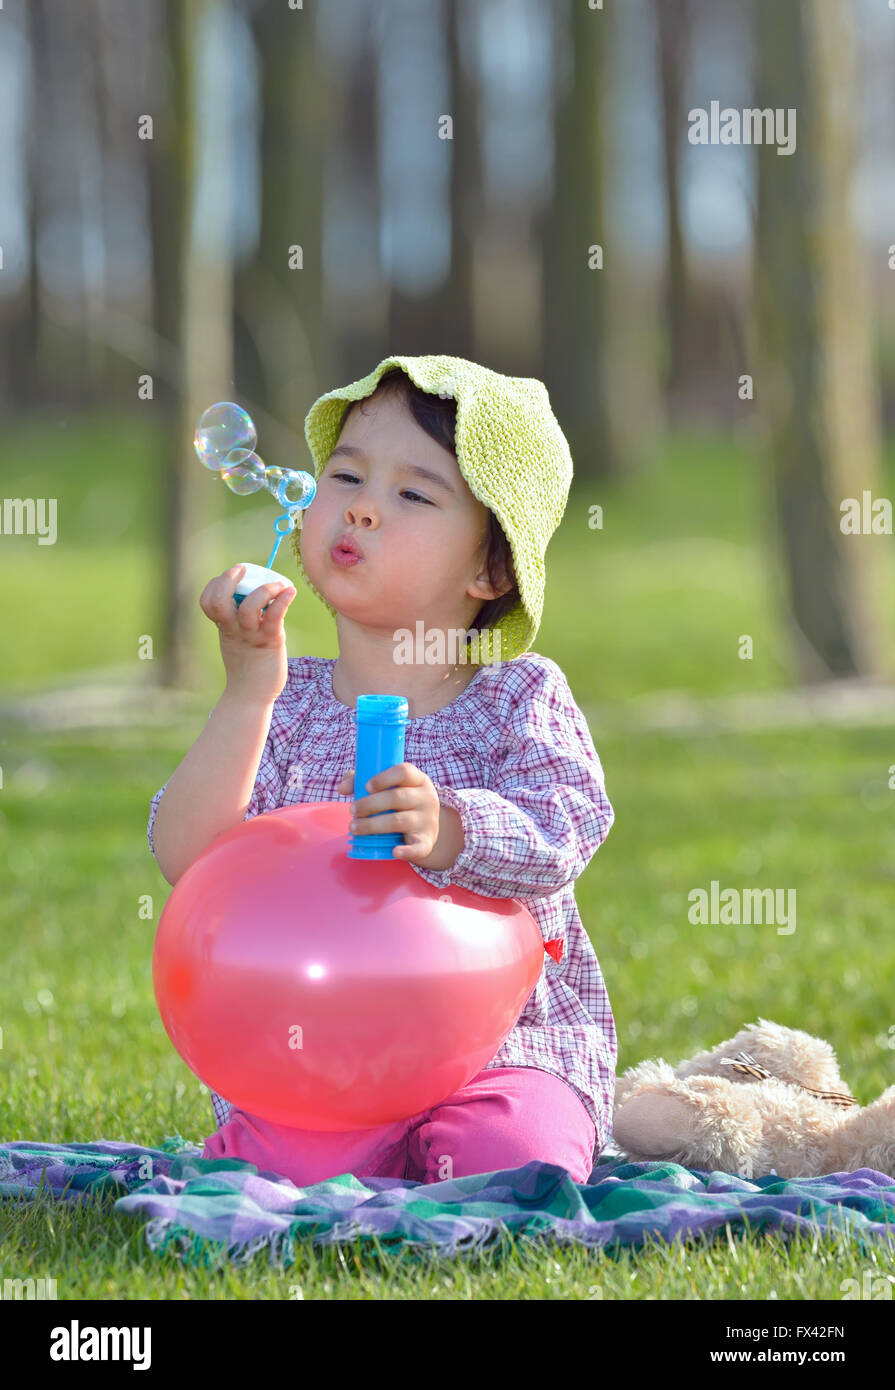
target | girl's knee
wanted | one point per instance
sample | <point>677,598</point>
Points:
<point>461,1141</point>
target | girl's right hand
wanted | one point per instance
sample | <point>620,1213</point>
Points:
<point>253,644</point>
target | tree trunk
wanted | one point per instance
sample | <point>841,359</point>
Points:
<point>575,295</point>
<point>442,320</point>
<point>280,306</point>
<point>193,304</point>
<point>451,308</point>
<point>361,309</point>
<point>21,376</point>
<point>814,377</point>
<point>672,19</point>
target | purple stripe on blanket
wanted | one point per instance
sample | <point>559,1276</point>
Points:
<point>209,1210</point>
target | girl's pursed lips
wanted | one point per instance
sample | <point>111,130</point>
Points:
<point>344,557</point>
<point>346,542</point>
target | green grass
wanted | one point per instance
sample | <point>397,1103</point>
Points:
<point>86,1056</point>
<point>686,563</point>
<point>655,600</point>
<point>106,564</point>
<point>98,1254</point>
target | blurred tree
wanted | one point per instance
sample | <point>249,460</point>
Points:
<point>353,152</point>
<point>193,320</point>
<point>453,306</point>
<point>576,318</point>
<point>442,321</point>
<point>20,374</point>
<point>283,331</point>
<point>815,378</point>
<point>51,352</point>
<point>673,24</point>
<point>99,142</point>
<point>125,58</point>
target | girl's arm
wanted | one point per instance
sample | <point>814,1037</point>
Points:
<point>210,790</point>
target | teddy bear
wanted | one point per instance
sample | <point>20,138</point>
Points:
<point>769,1100</point>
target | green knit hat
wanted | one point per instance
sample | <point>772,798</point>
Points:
<point>511,452</point>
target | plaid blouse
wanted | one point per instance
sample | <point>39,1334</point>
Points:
<point>514,756</point>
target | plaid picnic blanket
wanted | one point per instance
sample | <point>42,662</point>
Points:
<point>211,1210</point>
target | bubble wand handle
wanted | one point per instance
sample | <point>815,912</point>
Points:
<point>283,488</point>
<point>290,520</point>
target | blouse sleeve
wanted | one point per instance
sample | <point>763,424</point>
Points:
<point>548,813</point>
<point>265,793</point>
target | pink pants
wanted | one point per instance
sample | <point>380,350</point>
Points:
<point>502,1118</point>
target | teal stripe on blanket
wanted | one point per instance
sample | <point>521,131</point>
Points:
<point>210,1210</point>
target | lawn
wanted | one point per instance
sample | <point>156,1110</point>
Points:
<point>657,599</point>
<point>85,1055</point>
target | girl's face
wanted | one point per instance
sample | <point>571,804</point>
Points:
<point>421,538</point>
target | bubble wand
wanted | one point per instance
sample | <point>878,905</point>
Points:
<point>225,442</point>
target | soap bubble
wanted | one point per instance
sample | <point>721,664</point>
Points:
<point>274,477</point>
<point>225,442</point>
<point>223,428</point>
<point>243,472</point>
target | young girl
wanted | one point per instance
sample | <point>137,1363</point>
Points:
<point>439,484</point>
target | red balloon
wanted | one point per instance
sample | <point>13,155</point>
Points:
<point>329,993</point>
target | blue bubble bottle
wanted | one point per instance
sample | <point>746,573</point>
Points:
<point>381,721</point>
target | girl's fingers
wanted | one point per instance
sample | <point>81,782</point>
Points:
<point>260,597</point>
<point>278,607</point>
<point>216,599</point>
<point>251,613</point>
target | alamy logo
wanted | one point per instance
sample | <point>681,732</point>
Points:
<point>867,517</point>
<point>77,1343</point>
<point>27,516</point>
<point>29,1288</point>
<point>434,647</point>
<point>727,126</point>
<point>732,906</point>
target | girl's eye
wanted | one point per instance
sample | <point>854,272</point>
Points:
<point>408,492</point>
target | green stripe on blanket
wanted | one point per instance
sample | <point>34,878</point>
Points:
<point>211,1210</point>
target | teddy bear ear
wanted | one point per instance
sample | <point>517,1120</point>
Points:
<point>650,1073</point>
<point>774,1031</point>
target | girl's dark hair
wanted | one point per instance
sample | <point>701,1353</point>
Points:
<point>438,417</point>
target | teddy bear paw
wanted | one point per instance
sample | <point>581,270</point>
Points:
<point>653,1125</point>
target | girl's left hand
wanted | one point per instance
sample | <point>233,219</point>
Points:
<point>410,798</point>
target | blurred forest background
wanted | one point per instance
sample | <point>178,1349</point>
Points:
<point>260,199</point>
<point>213,200</point>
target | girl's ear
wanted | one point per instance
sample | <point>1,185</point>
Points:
<point>502,585</point>
<point>483,588</point>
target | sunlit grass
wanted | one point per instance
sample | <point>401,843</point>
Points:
<point>656,600</point>
<point>86,1056</point>
<point>685,564</point>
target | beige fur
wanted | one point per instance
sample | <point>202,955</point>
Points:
<point>705,1115</point>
